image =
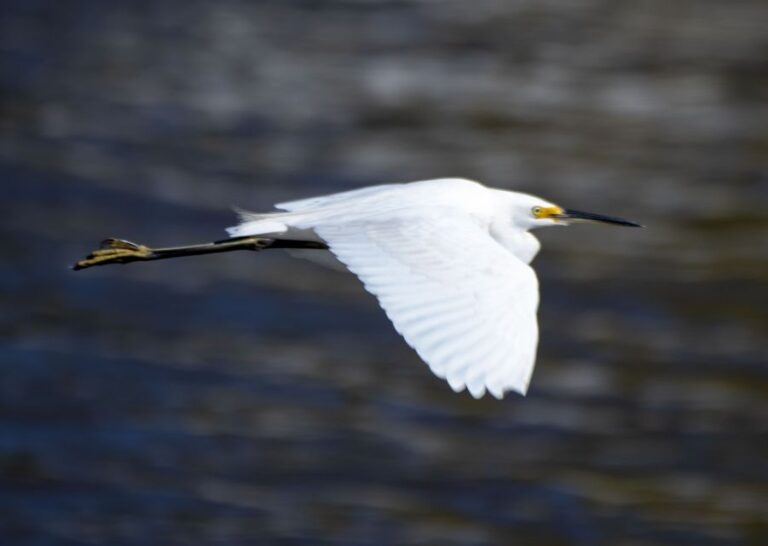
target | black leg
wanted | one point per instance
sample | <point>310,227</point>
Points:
<point>120,251</point>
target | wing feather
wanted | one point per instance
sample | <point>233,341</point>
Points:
<point>460,299</point>
<point>334,198</point>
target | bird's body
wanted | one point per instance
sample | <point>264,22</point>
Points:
<point>447,259</point>
<point>458,199</point>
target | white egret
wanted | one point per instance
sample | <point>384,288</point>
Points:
<point>447,259</point>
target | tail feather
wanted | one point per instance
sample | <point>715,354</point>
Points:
<point>252,223</point>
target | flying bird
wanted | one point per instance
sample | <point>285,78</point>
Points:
<point>447,259</point>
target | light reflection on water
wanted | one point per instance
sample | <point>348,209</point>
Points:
<point>257,399</point>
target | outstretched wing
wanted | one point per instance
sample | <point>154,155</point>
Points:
<point>462,301</point>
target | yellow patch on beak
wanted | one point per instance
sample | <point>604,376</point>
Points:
<point>547,212</point>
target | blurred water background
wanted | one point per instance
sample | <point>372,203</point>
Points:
<point>256,399</point>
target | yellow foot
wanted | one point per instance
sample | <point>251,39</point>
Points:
<point>115,251</point>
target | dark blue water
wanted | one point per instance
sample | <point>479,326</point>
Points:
<point>256,399</point>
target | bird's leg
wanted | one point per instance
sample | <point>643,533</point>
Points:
<point>120,251</point>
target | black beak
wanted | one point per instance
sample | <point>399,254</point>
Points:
<point>570,214</point>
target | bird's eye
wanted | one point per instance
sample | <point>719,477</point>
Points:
<point>537,212</point>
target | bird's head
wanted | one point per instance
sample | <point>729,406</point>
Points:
<point>535,212</point>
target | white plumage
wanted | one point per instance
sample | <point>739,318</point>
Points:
<point>447,260</point>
